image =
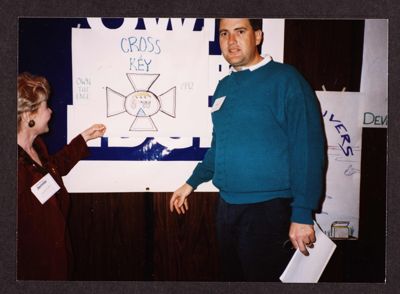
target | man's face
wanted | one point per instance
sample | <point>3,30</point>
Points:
<point>238,42</point>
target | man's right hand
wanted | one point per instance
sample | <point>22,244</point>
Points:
<point>179,199</point>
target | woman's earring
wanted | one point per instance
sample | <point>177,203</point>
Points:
<point>31,123</point>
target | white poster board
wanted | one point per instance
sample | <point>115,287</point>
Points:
<point>342,120</point>
<point>140,83</point>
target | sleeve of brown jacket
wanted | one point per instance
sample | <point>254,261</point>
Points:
<point>69,155</point>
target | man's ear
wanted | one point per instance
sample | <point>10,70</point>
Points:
<point>259,36</point>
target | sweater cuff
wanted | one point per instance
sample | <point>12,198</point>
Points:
<point>81,145</point>
<point>193,182</point>
<point>302,215</point>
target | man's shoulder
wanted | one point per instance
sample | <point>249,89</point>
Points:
<point>280,67</point>
<point>225,79</point>
<point>286,72</point>
<point>223,82</point>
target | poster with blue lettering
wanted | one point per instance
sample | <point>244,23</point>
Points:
<point>140,83</point>
<point>341,111</point>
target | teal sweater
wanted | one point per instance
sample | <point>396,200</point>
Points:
<point>268,140</point>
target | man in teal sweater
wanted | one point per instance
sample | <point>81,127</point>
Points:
<point>267,159</point>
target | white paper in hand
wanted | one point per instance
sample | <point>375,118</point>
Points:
<point>308,269</point>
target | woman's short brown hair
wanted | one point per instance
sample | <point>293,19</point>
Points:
<point>32,90</point>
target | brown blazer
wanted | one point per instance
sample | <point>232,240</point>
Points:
<point>44,248</point>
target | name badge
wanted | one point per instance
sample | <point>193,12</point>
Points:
<point>218,103</point>
<point>45,188</point>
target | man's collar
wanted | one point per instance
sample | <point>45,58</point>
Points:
<point>264,61</point>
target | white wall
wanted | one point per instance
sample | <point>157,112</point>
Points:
<point>374,76</point>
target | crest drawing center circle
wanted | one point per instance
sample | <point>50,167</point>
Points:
<point>142,103</point>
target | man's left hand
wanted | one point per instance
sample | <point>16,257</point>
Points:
<point>302,236</point>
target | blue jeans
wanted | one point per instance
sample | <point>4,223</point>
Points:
<point>252,240</point>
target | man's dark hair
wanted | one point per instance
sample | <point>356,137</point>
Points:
<point>256,23</point>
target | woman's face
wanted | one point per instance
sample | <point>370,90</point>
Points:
<point>42,117</point>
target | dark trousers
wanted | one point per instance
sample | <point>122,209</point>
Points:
<point>252,240</point>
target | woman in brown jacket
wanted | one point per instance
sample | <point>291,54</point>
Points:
<point>44,248</point>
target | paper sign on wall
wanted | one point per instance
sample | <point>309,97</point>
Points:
<point>142,83</point>
<point>343,131</point>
